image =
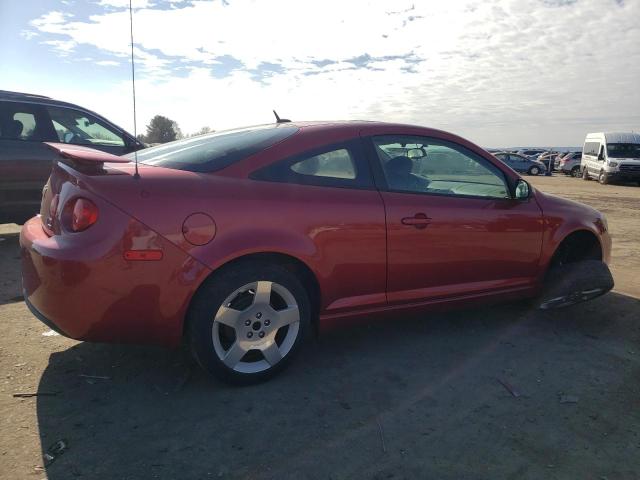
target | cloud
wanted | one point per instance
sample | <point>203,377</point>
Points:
<point>522,69</point>
<point>107,63</point>
<point>61,47</point>
<point>125,3</point>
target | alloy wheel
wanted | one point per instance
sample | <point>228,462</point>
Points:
<point>256,327</point>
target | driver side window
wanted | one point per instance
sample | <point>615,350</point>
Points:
<point>426,165</point>
<point>80,128</point>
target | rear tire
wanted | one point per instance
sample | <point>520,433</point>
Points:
<point>247,322</point>
<point>574,283</point>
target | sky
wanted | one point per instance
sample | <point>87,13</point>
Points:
<point>498,72</point>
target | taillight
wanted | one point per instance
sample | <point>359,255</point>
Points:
<point>82,213</point>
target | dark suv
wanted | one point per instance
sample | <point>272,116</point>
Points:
<point>26,121</point>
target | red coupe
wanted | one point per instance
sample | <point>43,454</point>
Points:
<point>242,242</point>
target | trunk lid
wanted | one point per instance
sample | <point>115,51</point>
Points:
<point>157,197</point>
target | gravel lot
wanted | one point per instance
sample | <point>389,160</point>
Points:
<point>408,398</point>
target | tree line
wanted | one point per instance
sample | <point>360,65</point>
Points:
<point>162,129</point>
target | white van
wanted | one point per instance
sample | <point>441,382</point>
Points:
<point>611,156</point>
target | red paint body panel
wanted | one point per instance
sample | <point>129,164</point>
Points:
<point>365,259</point>
<point>563,217</point>
<point>470,245</point>
<point>82,283</point>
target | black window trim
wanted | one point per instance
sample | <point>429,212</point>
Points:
<point>381,182</point>
<point>280,171</point>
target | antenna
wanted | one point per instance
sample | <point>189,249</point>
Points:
<point>136,175</point>
<point>280,120</point>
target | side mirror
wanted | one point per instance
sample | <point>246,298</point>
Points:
<point>522,190</point>
<point>601,157</point>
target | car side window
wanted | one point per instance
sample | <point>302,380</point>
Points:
<point>18,122</point>
<point>341,165</point>
<point>441,167</point>
<point>335,163</point>
<point>80,128</point>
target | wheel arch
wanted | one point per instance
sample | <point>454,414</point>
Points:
<point>576,245</point>
<point>293,264</point>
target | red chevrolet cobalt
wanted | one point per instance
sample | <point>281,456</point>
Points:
<point>241,242</point>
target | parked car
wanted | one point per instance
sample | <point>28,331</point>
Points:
<point>25,162</point>
<point>531,152</point>
<point>241,243</point>
<point>549,159</point>
<point>520,163</point>
<point>569,164</point>
<point>613,156</point>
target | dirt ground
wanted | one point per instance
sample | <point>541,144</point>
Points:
<point>408,398</point>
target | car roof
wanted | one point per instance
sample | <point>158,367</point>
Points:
<point>354,127</point>
<point>44,100</point>
<point>34,98</point>
<point>6,94</point>
<point>622,137</point>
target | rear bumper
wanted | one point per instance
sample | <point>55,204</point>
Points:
<point>36,313</point>
<point>82,287</point>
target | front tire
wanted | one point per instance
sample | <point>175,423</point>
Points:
<point>534,171</point>
<point>585,174</point>
<point>575,172</point>
<point>603,179</point>
<point>574,283</point>
<point>247,322</point>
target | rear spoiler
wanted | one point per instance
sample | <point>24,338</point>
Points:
<point>85,155</point>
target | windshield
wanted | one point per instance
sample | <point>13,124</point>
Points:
<point>215,151</point>
<point>624,150</point>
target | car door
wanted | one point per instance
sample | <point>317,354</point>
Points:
<point>452,227</point>
<point>79,127</point>
<point>25,162</point>
<point>590,156</point>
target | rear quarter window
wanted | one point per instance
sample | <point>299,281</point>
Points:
<point>215,151</point>
<point>342,165</point>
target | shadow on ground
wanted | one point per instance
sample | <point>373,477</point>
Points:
<point>407,398</point>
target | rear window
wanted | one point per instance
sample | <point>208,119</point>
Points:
<point>214,151</point>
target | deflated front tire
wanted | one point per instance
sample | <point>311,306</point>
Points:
<point>573,283</point>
